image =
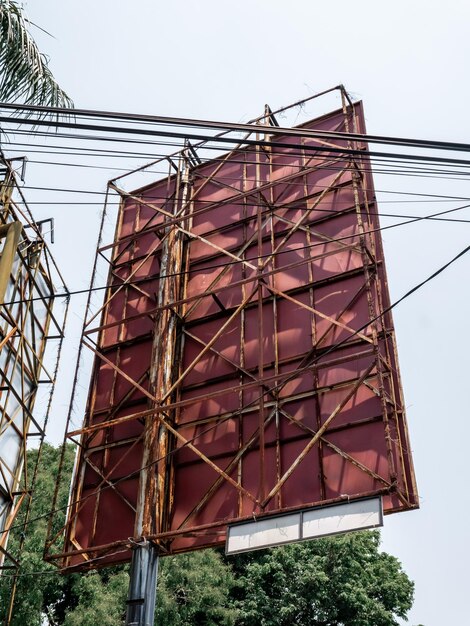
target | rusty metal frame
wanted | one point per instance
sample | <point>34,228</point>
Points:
<point>31,336</point>
<point>163,383</point>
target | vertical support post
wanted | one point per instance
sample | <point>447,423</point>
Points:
<point>266,119</point>
<point>142,585</point>
<point>12,233</point>
<point>261,411</point>
<point>154,487</point>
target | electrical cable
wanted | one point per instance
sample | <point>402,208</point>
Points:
<point>56,571</point>
<point>410,292</point>
<point>419,218</point>
<point>426,173</point>
<point>409,220</point>
<point>363,156</point>
<point>408,172</point>
<point>269,144</point>
<point>434,196</point>
<point>422,174</point>
<point>300,132</point>
<point>86,151</point>
<point>100,204</point>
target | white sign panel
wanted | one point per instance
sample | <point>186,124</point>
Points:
<point>306,524</point>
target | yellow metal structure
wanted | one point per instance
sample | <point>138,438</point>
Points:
<point>30,343</point>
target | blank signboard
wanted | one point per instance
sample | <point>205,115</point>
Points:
<point>277,530</point>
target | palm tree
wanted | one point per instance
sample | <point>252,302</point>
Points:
<point>24,74</point>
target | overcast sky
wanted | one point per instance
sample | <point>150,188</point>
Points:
<point>224,60</point>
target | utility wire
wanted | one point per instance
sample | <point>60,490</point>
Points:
<point>405,295</point>
<point>363,156</point>
<point>406,171</point>
<point>100,204</point>
<point>269,144</point>
<point>292,374</point>
<point>100,152</point>
<point>56,571</point>
<point>328,164</point>
<point>409,220</point>
<point>212,125</point>
<point>431,196</point>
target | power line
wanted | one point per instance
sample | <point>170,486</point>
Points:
<point>454,162</point>
<point>104,153</point>
<point>264,143</point>
<point>439,173</point>
<point>100,204</point>
<point>433,196</point>
<point>56,571</point>
<point>291,374</point>
<point>409,220</point>
<point>159,120</point>
<point>419,173</point>
<point>329,164</point>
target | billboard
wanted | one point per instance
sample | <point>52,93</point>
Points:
<point>30,338</point>
<point>242,364</point>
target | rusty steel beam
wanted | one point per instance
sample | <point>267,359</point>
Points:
<point>11,232</point>
<point>210,291</point>
<point>26,278</point>
<point>317,436</point>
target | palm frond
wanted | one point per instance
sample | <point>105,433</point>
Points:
<point>24,73</point>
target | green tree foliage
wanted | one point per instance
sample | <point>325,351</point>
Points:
<point>339,581</point>
<point>24,73</point>
<point>43,595</point>
<point>35,592</point>
<point>342,581</point>
<point>195,589</point>
<point>101,600</point>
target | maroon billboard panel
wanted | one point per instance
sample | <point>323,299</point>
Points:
<point>253,285</point>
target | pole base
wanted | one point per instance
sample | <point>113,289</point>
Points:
<point>142,585</point>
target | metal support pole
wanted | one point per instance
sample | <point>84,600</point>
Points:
<point>142,586</point>
<point>154,486</point>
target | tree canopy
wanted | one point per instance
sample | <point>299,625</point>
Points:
<point>24,71</point>
<point>336,581</point>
